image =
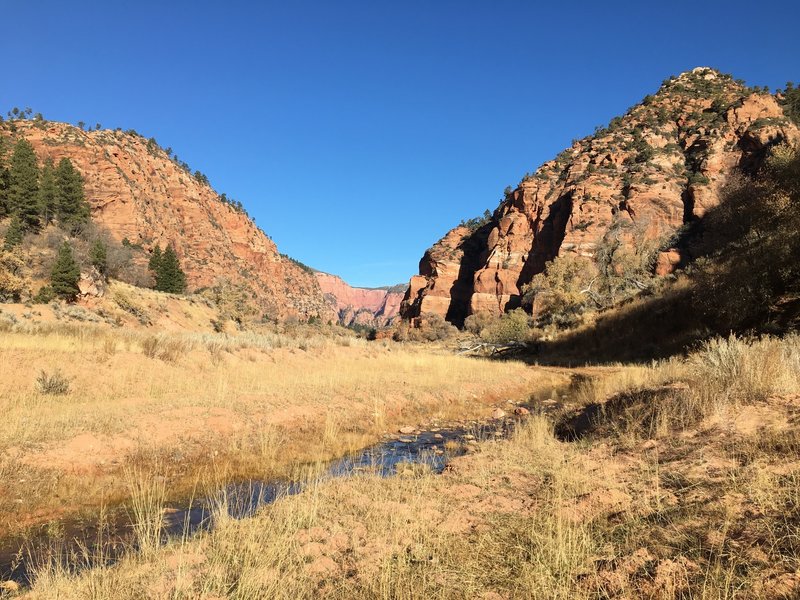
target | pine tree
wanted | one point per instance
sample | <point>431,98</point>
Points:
<point>23,193</point>
<point>72,209</point>
<point>13,233</point>
<point>48,194</point>
<point>65,275</point>
<point>155,260</point>
<point>98,255</point>
<point>169,276</point>
<point>4,183</point>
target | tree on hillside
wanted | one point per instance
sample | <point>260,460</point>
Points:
<point>48,194</point>
<point>169,276</point>
<point>14,233</point>
<point>65,275</point>
<point>4,183</point>
<point>167,270</point>
<point>791,102</point>
<point>23,192</point>
<point>155,260</point>
<point>73,211</point>
<point>98,255</point>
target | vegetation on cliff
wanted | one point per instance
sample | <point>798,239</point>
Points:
<point>686,180</point>
<point>120,189</point>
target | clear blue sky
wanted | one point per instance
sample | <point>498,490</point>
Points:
<point>358,133</point>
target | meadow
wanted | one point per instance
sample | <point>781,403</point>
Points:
<point>84,403</point>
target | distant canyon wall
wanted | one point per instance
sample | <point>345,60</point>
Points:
<point>360,306</point>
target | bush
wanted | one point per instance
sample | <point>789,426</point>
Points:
<point>739,370</point>
<point>12,283</point>
<point>164,348</point>
<point>54,384</point>
<point>434,327</point>
<point>125,303</point>
<point>514,326</point>
<point>427,328</point>
<point>476,323</point>
<point>45,295</point>
<point>559,296</point>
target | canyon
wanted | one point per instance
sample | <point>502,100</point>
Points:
<point>361,306</point>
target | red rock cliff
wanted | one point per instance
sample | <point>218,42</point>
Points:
<point>661,165</point>
<point>137,192</point>
<point>364,306</point>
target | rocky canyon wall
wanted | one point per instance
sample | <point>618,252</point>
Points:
<point>661,165</point>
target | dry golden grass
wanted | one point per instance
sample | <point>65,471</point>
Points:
<point>251,404</point>
<point>407,537</point>
<point>709,510</point>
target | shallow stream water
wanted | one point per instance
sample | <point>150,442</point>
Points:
<point>77,546</point>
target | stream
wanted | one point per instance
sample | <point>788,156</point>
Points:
<point>77,546</point>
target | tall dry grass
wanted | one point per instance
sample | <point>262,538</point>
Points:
<point>457,536</point>
<point>252,404</point>
<point>367,537</point>
<point>301,546</point>
<point>719,376</point>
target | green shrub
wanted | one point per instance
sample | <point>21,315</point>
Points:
<point>45,295</point>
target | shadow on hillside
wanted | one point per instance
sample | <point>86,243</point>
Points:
<point>741,275</point>
<point>644,330</point>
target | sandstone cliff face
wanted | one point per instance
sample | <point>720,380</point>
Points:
<point>137,192</point>
<point>661,165</point>
<point>360,306</point>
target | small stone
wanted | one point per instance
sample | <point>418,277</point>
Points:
<point>649,444</point>
<point>498,413</point>
<point>521,411</point>
<point>438,436</point>
<point>406,430</point>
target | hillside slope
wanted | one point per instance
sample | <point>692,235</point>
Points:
<point>660,166</point>
<point>141,195</point>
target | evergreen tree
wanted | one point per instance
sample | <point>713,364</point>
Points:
<point>13,233</point>
<point>155,260</point>
<point>4,183</point>
<point>73,211</point>
<point>98,255</point>
<point>169,276</point>
<point>65,275</point>
<point>48,194</point>
<point>23,193</point>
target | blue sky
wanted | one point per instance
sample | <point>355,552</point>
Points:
<point>358,133</point>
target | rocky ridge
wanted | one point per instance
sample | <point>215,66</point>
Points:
<point>660,166</point>
<point>361,306</point>
<point>141,195</point>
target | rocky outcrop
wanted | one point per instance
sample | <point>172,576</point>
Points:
<point>661,165</point>
<point>141,195</point>
<point>361,306</point>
